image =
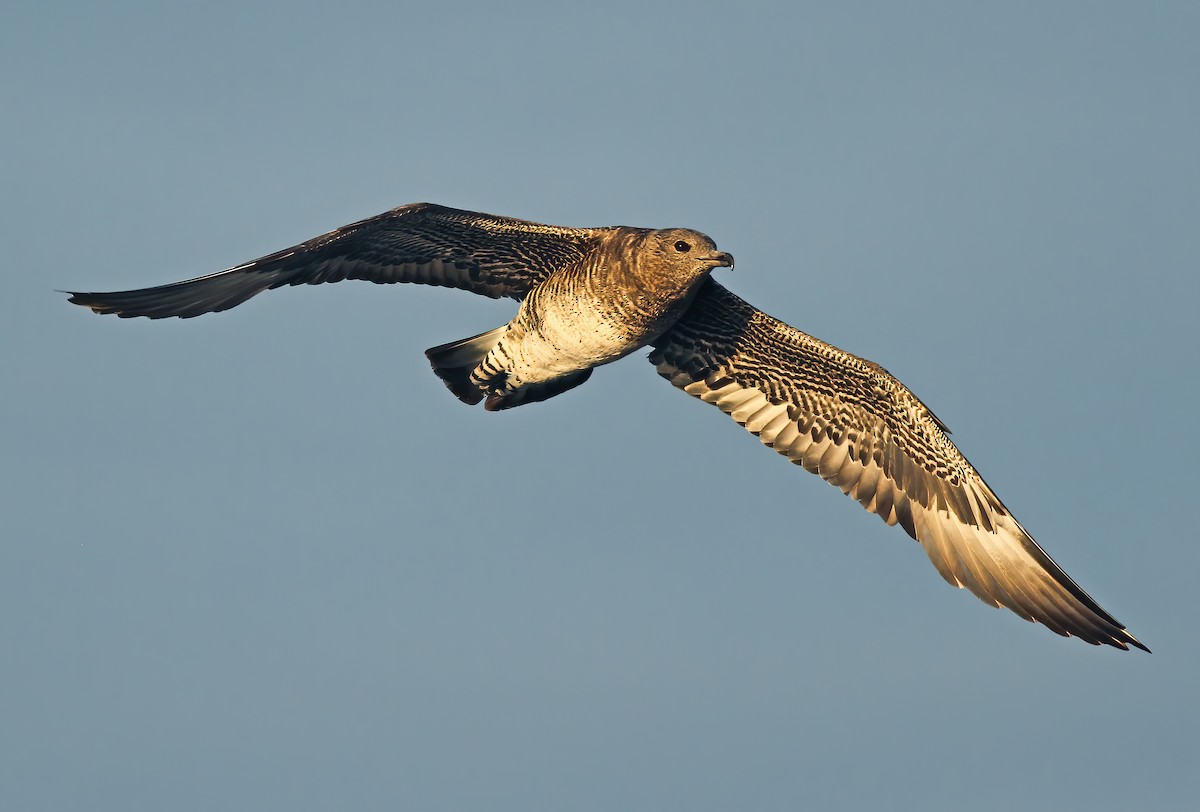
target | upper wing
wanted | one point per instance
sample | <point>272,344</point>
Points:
<point>860,429</point>
<point>422,242</point>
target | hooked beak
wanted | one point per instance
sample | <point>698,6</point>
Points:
<point>722,260</point>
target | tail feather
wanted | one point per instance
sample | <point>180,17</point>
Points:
<point>535,392</point>
<point>458,365</point>
<point>454,363</point>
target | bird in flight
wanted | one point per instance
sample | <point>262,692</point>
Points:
<point>589,296</point>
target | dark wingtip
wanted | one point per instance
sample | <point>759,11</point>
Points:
<point>87,300</point>
<point>96,302</point>
<point>1120,638</point>
<point>1129,638</point>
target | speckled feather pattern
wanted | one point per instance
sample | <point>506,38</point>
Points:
<point>853,424</point>
<point>422,243</point>
<point>590,296</point>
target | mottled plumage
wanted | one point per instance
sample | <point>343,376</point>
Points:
<point>853,424</point>
<point>588,295</point>
<point>591,296</point>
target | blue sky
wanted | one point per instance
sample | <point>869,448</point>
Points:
<point>263,560</point>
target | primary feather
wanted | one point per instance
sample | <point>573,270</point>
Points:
<point>592,295</point>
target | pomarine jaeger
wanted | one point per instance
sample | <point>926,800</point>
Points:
<point>592,295</point>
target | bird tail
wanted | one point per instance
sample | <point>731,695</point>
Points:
<point>454,363</point>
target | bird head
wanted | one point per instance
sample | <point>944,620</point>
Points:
<point>666,265</point>
<point>685,248</point>
<point>682,256</point>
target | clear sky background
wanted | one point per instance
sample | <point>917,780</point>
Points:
<point>262,560</point>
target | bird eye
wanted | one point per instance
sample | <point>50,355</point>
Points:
<point>682,247</point>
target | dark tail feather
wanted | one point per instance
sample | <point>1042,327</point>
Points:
<point>536,392</point>
<point>207,294</point>
<point>454,363</point>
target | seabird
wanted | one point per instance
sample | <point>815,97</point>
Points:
<point>590,296</point>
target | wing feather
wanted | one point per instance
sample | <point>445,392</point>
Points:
<point>860,429</point>
<point>422,243</point>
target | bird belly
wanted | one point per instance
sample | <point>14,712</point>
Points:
<point>567,341</point>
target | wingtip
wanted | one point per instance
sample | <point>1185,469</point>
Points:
<point>1133,641</point>
<point>80,298</point>
<point>1123,640</point>
<point>90,301</point>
